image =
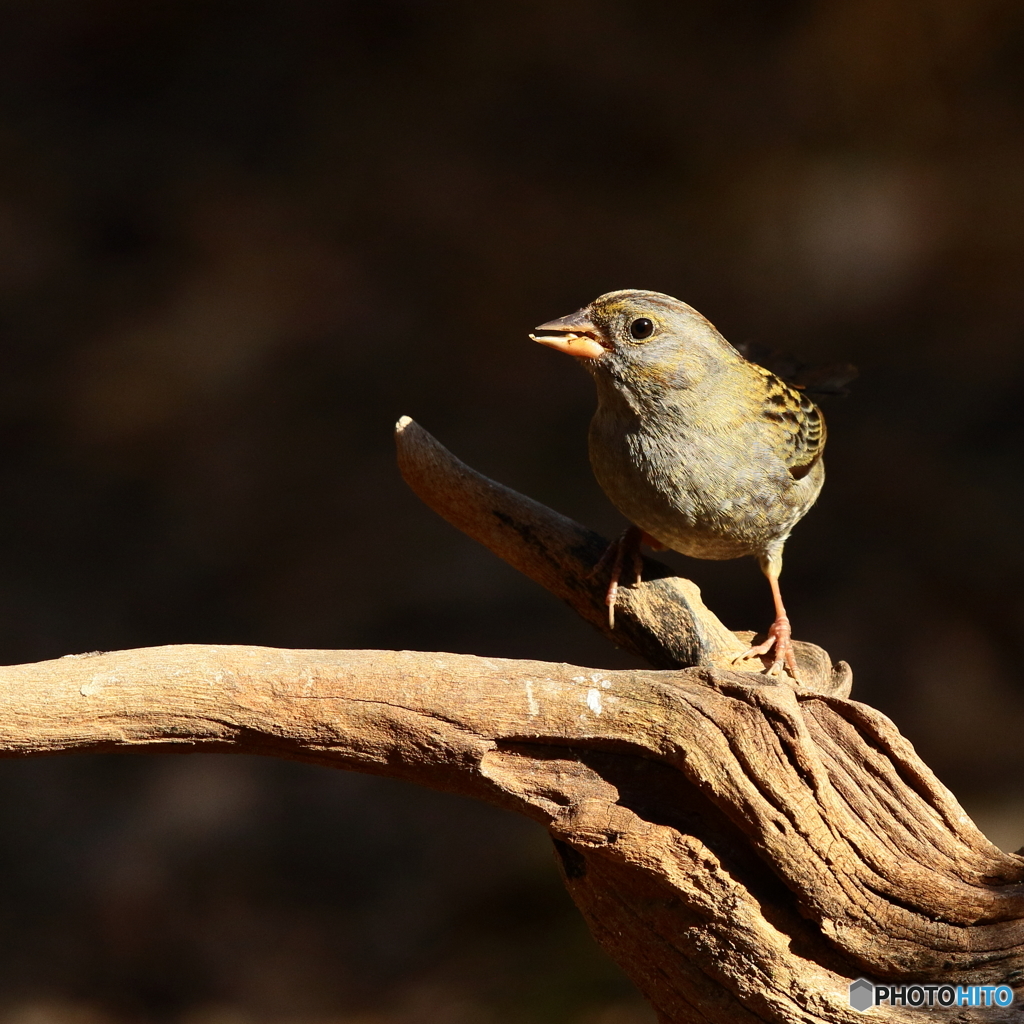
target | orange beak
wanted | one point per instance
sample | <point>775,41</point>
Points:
<point>574,335</point>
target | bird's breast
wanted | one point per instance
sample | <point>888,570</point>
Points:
<point>704,491</point>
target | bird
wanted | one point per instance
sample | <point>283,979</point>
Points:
<point>704,451</point>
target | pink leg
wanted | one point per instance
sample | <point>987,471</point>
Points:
<point>779,636</point>
<point>628,543</point>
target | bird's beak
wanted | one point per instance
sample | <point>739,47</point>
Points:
<point>574,335</point>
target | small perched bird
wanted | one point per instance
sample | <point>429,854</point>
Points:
<point>706,452</point>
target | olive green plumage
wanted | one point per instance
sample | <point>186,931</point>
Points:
<point>710,454</point>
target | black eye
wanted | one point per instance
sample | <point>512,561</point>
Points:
<point>641,328</point>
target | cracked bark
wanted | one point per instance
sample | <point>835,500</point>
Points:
<point>743,847</point>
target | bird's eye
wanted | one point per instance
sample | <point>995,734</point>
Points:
<point>641,328</point>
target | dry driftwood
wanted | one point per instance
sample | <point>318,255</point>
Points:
<point>742,846</point>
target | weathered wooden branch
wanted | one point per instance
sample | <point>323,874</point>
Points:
<point>743,847</point>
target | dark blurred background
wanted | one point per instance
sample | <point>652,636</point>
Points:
<point>238,240</point>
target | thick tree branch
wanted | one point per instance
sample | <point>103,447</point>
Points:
<point>744,847</point>
<point>744,850</point>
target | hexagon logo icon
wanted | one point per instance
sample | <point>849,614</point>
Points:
<point>862,994</point>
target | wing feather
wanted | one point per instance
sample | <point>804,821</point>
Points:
<point>798,420</point>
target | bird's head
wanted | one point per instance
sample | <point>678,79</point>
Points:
<point>641,341</point>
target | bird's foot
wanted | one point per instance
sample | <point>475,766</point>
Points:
<point>780,635</point>
<point>627,544</point>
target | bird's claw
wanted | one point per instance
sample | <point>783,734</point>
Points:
<point>779,637</point>
<point>628,541</point>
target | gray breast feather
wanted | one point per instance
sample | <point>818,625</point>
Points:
<point>706,496</point>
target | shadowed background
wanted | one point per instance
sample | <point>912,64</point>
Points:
<point>238,240</point>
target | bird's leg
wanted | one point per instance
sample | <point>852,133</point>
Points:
<point>779,635</point>
<point>627,543</point>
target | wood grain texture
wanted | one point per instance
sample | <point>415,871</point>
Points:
<point>744,847</point>
<point>744,850</point>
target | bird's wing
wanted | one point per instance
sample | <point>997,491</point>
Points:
<point>797,420</point>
